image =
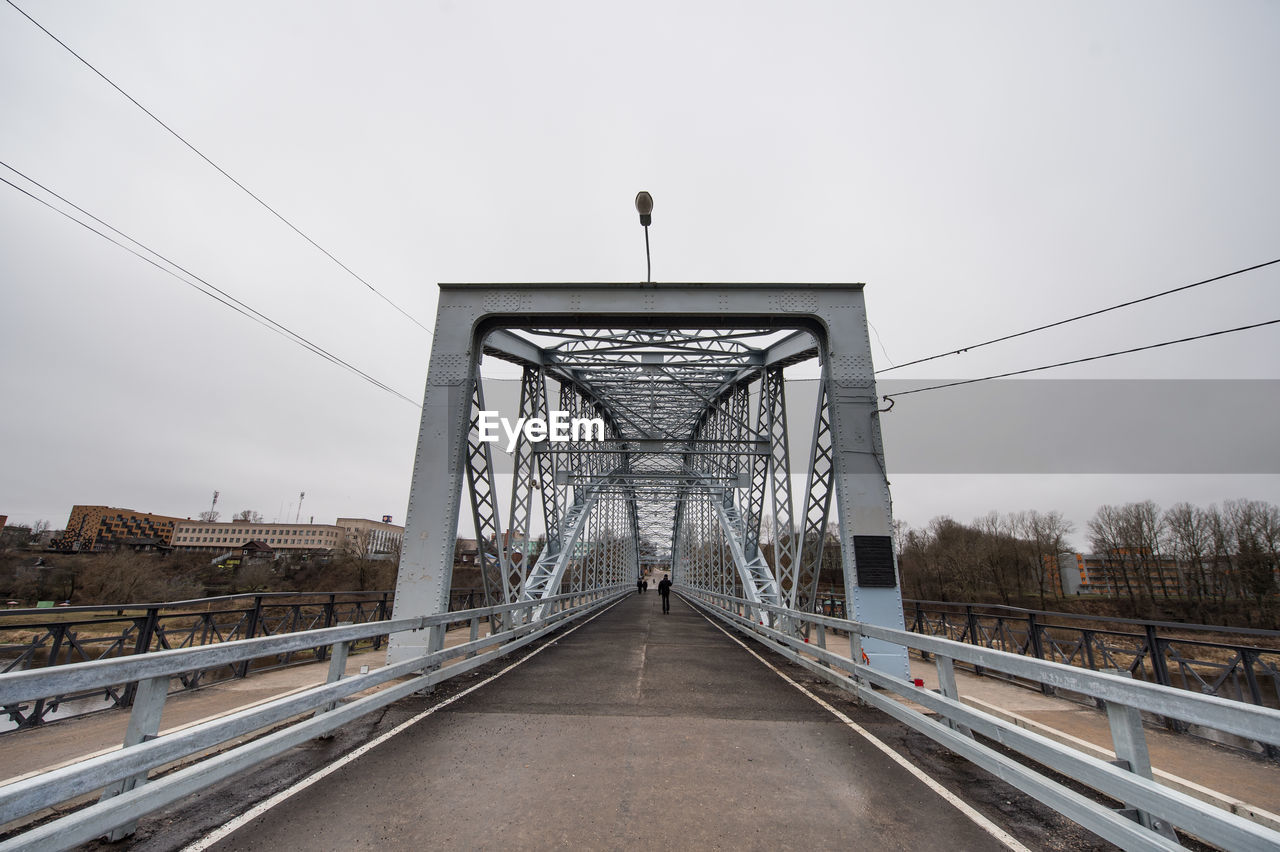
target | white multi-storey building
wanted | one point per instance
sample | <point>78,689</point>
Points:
<point>206,537</point>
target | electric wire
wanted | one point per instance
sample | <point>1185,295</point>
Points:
<point>224,173</point>
<point>889,397</point>
<point>1080,317</point>
<point>218,295</point>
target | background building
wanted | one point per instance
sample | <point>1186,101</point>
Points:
<point>216,538</point>
<point>1113,573</point>
<point>109,527</point>
<point>353,536</point>
<point>371,539</point>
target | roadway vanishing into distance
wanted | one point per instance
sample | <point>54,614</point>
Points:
<point>636,729</point>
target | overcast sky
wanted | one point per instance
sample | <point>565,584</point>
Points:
<point>983,167</point>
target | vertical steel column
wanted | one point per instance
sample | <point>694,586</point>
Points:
<point>431,521</point>
<point>865,514</point>
<point>525,476</point>
<point>759,477</point>
<point>817,508</point>
<point>785,561</point>
<point>492,555</point>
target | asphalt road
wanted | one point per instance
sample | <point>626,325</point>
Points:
<point>637,730</point>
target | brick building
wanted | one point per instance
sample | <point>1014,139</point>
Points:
<point>96,528</point>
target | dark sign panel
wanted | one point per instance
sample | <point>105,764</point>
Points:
<point>873,555</point>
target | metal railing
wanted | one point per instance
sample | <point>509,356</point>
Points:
<point>1151,808</point>
<point>57,637</point>
<point>121,775</point>
<point>1146,649</point>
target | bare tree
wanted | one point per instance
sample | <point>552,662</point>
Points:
<point>1047,534</point>
<point>1255,526</point>
<point>998,554</point>
<point>1189,534</point>
<point>1107,538</point>
<point>247,515</point>
<point>209,516</point>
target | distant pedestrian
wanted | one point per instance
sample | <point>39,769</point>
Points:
<point>646,585</point>
<point>664,589</point>
<point>640,586</point>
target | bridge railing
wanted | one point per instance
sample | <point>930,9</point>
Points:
<point>121,775</point>
<point>1203,658</point>
<point>44,638</point>
<point>1151,809</point>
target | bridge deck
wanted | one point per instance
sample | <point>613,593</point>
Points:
<point>635,729</point>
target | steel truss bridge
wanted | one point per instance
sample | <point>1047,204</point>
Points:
<point>695,473</point>
<point>695,477</point>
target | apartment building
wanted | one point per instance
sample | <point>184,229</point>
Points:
<point>1092,574</point>
<point>92,528</point>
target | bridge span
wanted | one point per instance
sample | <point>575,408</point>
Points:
<point>635,730</point>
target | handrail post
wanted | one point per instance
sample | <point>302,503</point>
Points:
<point>146,632</point>
<point>323,651</point>
<point>856,656</point>
<point>972,620</point>
<point>144,724</point>
<point>947,686</point>
<point>1159,667</point>
<point>1037,646</point>
<point>1247,659</point>
<point>1130,745</point>
<point>337,670</point>
<point>475,633</point>
<point>250,629</point>
<point>382,615</point>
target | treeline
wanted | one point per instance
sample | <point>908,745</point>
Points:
<point>1215,564</point>
<point>996,559</point>
<point>127,577</point>
<point>1208,557</point>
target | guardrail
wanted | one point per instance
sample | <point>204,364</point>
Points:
<point>122,775</point>
<point>83,633</point>
<point>1151,809</point>
<point>1145,649</point>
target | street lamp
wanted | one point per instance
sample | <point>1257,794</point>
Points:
<point>644,206</point>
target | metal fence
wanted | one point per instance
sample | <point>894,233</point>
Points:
<point>1150,809</point>
<point>122,775</point>
<point>1213,661</point>
<point>45,638</point>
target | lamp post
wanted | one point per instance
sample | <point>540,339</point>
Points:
<point>644,206</point>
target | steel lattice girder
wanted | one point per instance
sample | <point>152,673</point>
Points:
<point>684,477</point>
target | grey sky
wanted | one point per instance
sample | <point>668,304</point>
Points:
<point>983,167</point>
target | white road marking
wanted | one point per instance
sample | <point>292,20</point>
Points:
<point>985,824</point>
<point>265,805</point>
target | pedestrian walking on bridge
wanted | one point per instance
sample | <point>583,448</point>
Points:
<point>664,589</point>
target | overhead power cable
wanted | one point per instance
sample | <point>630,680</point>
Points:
<point>1080,317</point>
<point>889,397</point>
<point>222,171</point>
<point>218,295</point>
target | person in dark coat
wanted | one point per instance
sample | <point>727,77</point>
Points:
<point>664,589</point>
<point>640,586</point>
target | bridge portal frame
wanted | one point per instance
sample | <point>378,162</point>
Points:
<point>471,317</point>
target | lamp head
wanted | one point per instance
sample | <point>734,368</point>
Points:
<point>644,206</point>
